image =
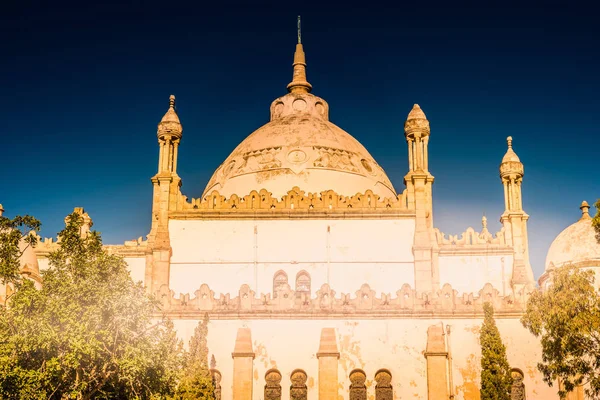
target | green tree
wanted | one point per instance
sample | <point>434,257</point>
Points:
<point>596,220</point>
<point>566,316</point>
<point>196,382</point>
<point>14,238</point>
<point>89,332</point>
<point>495,370</point>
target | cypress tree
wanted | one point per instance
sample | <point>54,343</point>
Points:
<point>496,380</point>
<point>196,383</point>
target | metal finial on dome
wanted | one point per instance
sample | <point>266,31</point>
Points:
<point>299,31</point>
<point>172,101</point>
<point>484,222</point>
<point>585,210</point>
<point>509,142</point>
<point>299,84</point>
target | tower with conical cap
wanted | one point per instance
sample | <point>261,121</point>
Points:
<point>419,183</point>
<point>166,185</point>
<point>514,219</point>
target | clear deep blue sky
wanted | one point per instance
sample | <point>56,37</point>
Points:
<point>83,87</point>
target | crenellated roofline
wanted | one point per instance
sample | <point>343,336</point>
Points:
<point>296,204</point>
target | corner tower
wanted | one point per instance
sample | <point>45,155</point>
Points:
<point>419,183</point>
<point>514,219</point>
<point>166,185</point>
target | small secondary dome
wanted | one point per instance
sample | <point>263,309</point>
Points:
<point>576,244</point>
<point>300,147</point>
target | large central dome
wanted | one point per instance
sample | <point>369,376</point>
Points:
<point>300,147</point>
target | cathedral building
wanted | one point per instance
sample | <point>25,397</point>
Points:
<point>323,281</point>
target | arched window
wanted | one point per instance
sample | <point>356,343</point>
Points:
<point>358,389</point>
<point>383,387</point>
<point>298,390</point>
<point>216,379</point>
<point>272,385</point>
<point>279,282</point>
<point>517,390</point>
<point>302,284</point>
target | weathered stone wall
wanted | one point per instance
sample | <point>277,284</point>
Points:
<point>397,345</point>
<point>345,253</point>
<point>466,272</point>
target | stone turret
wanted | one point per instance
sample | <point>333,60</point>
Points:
<point>166,185</point>
<point>514,219</point>
<point>169,134</point>
<point>419,183</point>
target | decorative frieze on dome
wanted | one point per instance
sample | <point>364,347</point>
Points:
<point>295,201</point>
<point>296,159</point>
<point>338,159</point>
<point>364,302</point>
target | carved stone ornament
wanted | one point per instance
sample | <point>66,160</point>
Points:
<point>363,301</point>
<point>295,200</point>
<point>383,386</point>
<point>517,390</point>
<point>358,389</point>
<point>298,389</point>
<point>273,385</point>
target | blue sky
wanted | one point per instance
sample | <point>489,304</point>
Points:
<point>83,88</point>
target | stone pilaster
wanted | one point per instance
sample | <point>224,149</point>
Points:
<point>423,244</point>
<point>437,363</point>
<point>328,356</point>
<point>243,365</point>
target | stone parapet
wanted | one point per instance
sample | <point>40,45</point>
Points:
<point>294,201</point>
<point>364,303</point>
<point>470,238</point>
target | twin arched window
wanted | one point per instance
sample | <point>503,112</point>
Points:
<point>298,389</point>
<point>383,385</point>
<point>302,283</point>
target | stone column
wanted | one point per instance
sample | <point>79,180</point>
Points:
<point>328,356</point>
<point>437,363</point>
<point>243,360</point>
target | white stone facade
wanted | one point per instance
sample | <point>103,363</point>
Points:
<point>300,235</point>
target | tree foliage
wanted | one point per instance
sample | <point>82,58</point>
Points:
<point>496,379</point>
<point>596,220</point>
<point>89,332</point>
<point>13,234</point>
<point>196,382</point>
<point>566,316</point>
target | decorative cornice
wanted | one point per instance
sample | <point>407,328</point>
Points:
<point>295,204</point>
<point>436,353</point>
<point>363,304</point>
<point>131,248</point>
<point>236,355</point>
<point>335,354</point>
